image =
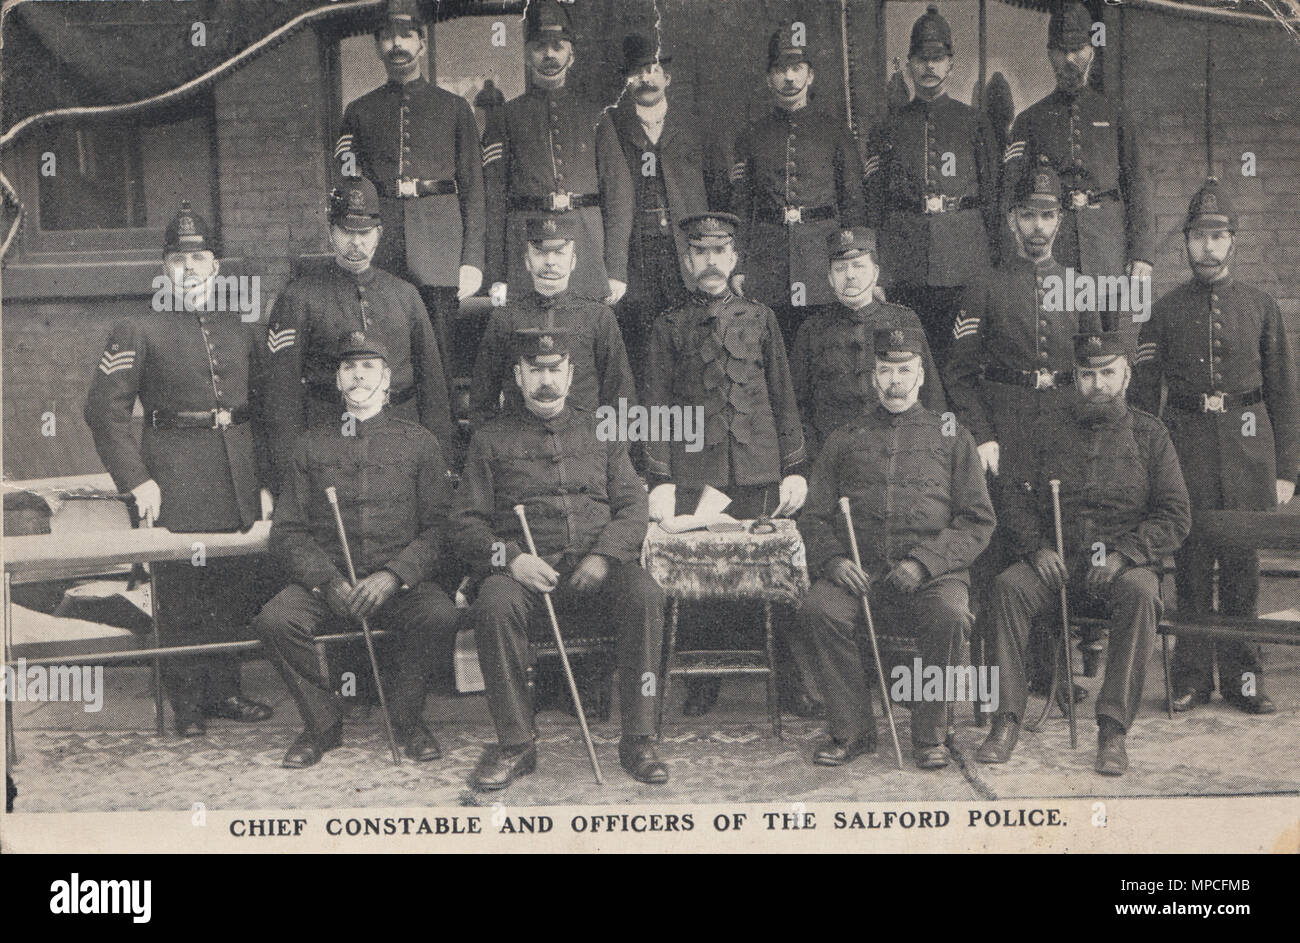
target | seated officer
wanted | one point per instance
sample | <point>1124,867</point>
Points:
<point>586,510</point>
<point>601,374</point>
<point>1124,507</point>
<point>921,514</point>
<point>395,497</point>
<point>832,352</point>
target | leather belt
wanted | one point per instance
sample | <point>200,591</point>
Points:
<point>330,394</point>
<point>1088,199</point>
<point>936,203</point>
<point>202,419</point>
<point>554,202</point>
<point>1215,402</point>
<point>422,188</point>
<point>1034,379</point>
<point>789,215</point>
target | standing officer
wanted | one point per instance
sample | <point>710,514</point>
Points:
<point>395,498</point>
<point>419,145</point>
<point>200,466</point>
<point>832,353</point>
<point>314,310</point>
<point>796,178</point>
<point>665,158</point>
<point>721,356</point>
<point>587,513</point>
<point>921,514</point>
<point>1123,509</point>
<point>602,375</point>
<point>932,174</point>
<point>1106,229</point>
<point>1229,368</point>
<point>551,152</point>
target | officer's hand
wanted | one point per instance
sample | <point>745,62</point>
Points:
<point>372,592</point>
<point>846,574</point>
<point>590,573</point>
<point>989,456</point>
<point>663,501</point>
<point>148,501</point>
<point>268,503</point>
<point>338,595</point>
<point>471,280</point>
<point>1100,574</point>
<point>616,290</point>
<point>498,294</point>
<point>794,491</point>
<point>1285,491</point>
<point>534,572</point>
<point>906,577</point>
<point>1139,269</point>
<point>1049,566</point>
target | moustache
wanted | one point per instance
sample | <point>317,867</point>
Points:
<point>711,271</point>
<point>546,394</point>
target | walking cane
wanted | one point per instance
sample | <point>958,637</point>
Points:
<point>333,497</point>
<point>564,655</point>
<point>871,633</point>
<point>1055,485</point>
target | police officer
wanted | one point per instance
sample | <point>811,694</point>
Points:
<point>420,146</point>
<point>722,354</point>
<point>666,160</point>
<point>1124,508</point>
<point>796,177</point>
<point>921,514</point>
<point>602,375</point>
<point>201,465</point>
<point>832,354</point>
<point>931,176</point>
<point>1105,227</point>
<point>1229,368</point>
<point>550,152</point>
<point>586,511</point>
<point>315,309</point>
<point>395,498</point>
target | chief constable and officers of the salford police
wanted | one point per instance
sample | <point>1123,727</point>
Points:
<point>200,466</point>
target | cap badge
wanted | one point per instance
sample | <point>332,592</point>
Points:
<point>357,338</point>
<point>896,338</point>
<point>1094,341</point>
<point>356,200</point>
<point>1209,204</point>
<point>186,226</point>
<point>550,226</point>
<point>846,237</point>
<point>710,225</point>
<point>1042,182</point>
<point>545,342</point>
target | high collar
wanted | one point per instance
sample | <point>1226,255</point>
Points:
<point>539,92</point>
<point>360,278</point>
<point>545,302</point>
<point>923,104</point>
<point>1070,96</point>
<point>559,421</point>
<point>712,304</point>
<point>858,315</point>
<point>415,83</point>
<point>1048,266</point>
<point>907,415</point>
<point>365,427</point>
<point>1207,287</point>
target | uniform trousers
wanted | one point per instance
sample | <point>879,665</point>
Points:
<point>504,611</point>
<point>423,619</point>
<point>1193,663</point>
<point>210,603</point>
<point>834,630</point>
<point>1133,601</point>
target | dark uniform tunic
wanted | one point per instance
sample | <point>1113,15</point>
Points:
<point>806,160</point>
<point>1121,486</point>
<point>916,494</point>
<point>934,229</point>
<point>209,477</point>
<point>1004,335</point>
<point>395,498</point>
<point>581,497</point>
<point>724,354</point>
<point>601,373</point>
<point>1222,338</point>
<point>1092,146</point>
<point>306,323</point>
<point>832,363</point>
<point>423,132</point>
<point>551,143</point>
<point>656,275</point>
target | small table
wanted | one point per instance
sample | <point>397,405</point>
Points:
<point>733,565</point>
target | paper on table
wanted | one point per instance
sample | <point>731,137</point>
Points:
<point>708,510</point>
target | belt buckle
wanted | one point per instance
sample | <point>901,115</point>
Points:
<point>793,214</point>
<point>1079,199</point>
<point>557,202</point>
<point>1044,379</point>
<point>934,203</point>
<point>222,418</point>
<point>406,188</point>
<point>1213,403</point>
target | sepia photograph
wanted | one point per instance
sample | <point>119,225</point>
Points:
<point>650,426</point>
